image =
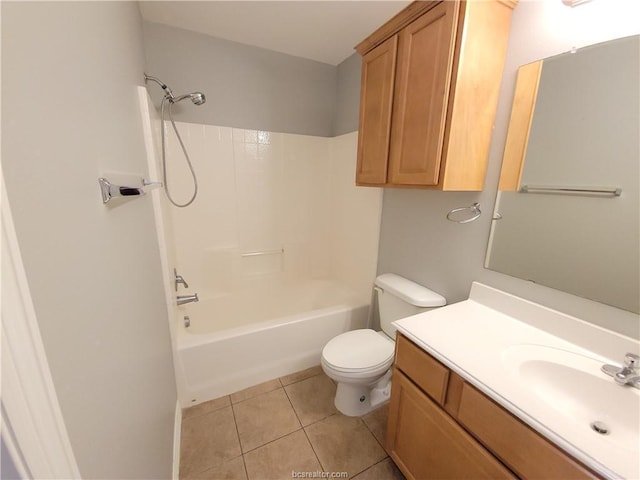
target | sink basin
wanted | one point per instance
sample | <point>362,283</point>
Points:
<point>572,384</point>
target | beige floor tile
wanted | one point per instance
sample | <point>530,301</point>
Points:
<point>377,423</point>
<point>302,375</point>
<point>206,407</point>
<point>255,391</point>
<point>208,440</point>
<point>384,470</point>
<point>344,444</point>
<point>229,470</point>
<point>264,418</point>
<point>312,399</point>
<point>278,459</point>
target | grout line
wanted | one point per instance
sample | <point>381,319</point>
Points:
<point>271,441</point>
<point>235,422</point>
<point>370,466</point>
<point>292,407</point>
<point>216,465</point>
<point>374,435</point>
<point>314,450</point>
<point>256,395</point>
<point>281,436</point>
<point>302,379</point>
<point>305,431</point>
<point>196,415</point>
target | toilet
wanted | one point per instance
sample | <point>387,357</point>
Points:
<point>360,361</point>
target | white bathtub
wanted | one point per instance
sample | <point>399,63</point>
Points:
<point>263,332</point>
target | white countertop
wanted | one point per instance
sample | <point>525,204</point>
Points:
<point>486,346</point>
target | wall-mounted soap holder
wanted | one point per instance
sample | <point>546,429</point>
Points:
<point>109,190</point>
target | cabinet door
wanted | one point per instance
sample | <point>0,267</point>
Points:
<point>378,72</point>
<point>425,62</point>
<point>428,444</point>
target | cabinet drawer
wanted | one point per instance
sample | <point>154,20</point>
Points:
<point>429,374</point>
<point>523,450</point>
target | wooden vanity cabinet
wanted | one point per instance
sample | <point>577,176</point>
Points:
<point>425,442</point>
<point>441,427</point>
<point>429,91</point>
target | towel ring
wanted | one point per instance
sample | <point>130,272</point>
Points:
<point>474,210</point>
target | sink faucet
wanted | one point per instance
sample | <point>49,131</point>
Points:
<point>627,375</point>
<point>182,299</point>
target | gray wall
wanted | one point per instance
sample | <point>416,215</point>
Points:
<point>418,242</point>
<point>8,470</point>
<point>246,86</point>
<point>70,113</point>
<point>347,111</point>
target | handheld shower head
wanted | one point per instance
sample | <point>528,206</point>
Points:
<point>197,98</point>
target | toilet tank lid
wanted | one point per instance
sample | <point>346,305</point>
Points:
<point>409,291</point>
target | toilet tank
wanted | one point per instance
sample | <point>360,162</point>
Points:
<point>399,297</point>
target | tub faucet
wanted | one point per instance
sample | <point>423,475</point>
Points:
<point>626,375</point>
<point>178,279</point>
<point>182,299</point>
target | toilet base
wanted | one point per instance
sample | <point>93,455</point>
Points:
<point>358,400</point>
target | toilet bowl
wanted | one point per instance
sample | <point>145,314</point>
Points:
<point>359,361</point>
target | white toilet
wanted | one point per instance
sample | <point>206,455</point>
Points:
<point>360,360</point>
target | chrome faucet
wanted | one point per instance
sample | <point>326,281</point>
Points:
<point>182,299</point>
<point>179,280</point>
<point>627,375</point>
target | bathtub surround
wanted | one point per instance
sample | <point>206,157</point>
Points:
<point>280,246</point>
<point>418,242</point>
<point>93,271</point>
<point>288,198</point>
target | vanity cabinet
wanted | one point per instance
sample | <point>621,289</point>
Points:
<point>429,91</point>
<point>441,427</point>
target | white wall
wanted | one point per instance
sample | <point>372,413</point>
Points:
<point>417,241</point>
<point>69,114</point>
<point>266,191</point>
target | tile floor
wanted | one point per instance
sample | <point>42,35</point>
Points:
<point>282,426</point>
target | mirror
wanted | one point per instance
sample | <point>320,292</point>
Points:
<point>567,213</point>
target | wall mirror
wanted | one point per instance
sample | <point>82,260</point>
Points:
<point>567,213</point>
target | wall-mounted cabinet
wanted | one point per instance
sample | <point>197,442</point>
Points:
<point>430,82</point>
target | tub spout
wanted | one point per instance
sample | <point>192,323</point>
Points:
<point>182,299</point>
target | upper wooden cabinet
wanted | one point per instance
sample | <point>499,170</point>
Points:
<point>430,82</point>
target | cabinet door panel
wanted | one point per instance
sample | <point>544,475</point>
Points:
<point>428,444</point>
<point>526,452</point>
<point>378,73</point>
<point>425,63</point>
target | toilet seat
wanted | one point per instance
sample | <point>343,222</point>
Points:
<point>359,351</point>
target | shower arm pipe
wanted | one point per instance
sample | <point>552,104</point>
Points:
<point>163,85</point>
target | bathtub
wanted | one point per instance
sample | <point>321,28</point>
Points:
<point>260,332</point>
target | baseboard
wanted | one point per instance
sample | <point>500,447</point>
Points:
<point>176,441</point>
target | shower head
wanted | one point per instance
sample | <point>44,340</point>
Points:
<point>197,98</point>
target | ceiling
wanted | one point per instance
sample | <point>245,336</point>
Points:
<point>325,31</point>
